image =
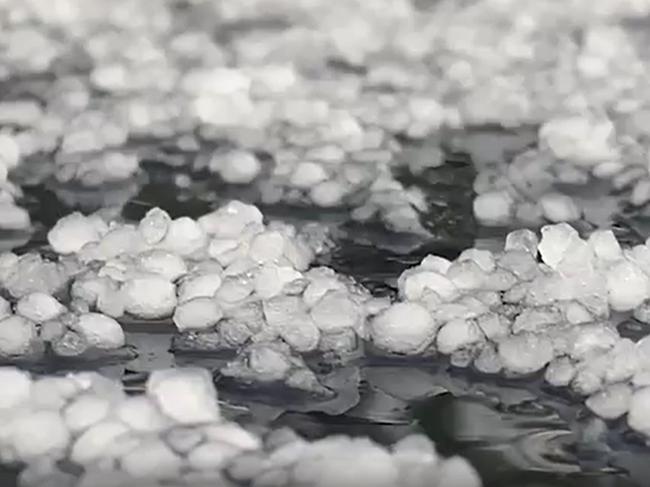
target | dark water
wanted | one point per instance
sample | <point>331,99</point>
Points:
<point>515,434</point>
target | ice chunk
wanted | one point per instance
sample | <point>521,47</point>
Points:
<point>199,286</point>
<point>335,310</point>
<point>152,458</point>
<point>37,434</point>
<point>537,319</point>
<point>154,226</point>
<point>556,239</point>
<point>86,410</point>
<point>234,290</point>
<point>52,392</point>
<point>96,441</point>
<point>149,297</point>
<point>627,286</point>
<point>558,207</point>
<point>185,395</point>
<point>230,220</point>
<point>307,174</point>
<point>483,258</point>
<point>211,455</point>
<point>494,325</point>
<point>327,194</point>
<point>141,414</point>
<point>591,341</point>
<point>523,239</point>
<point>17,336</point>
<point>16,387</point>
<point>638,418</point>
<point>525,353</point>
<point>270,280</point>
<point>435,263</point>
<point>494,208</point>
<point>458,334</point>
<point>33,274</point>
<point>466,275</point>
<point>184,237</point>
<point>39,307</point>
<point>413,283</point>
<point>197,314</point>
<point>612,402</point>
<point>267,247</point>
<point>74,231</point>
<point>236,167</point>
<point>162,262</point>
<point>560,372</point>
<point>605,245</point>
<point>403,328</point>
<point>100,331</point>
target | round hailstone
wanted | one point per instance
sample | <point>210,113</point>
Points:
<point>267,247</point>
<point>184,237</point>
<point>197,314</point>
<point>149,297</point>
<point>271,279</point>
<point>525,353</point>
<point>307,174</point>
<point>93,443</point>
<point>185,395</point>
<point>638,417</point>
<point>523,239</point>
<point>100,331</point>
<point>403,328</point>
<point>199,286</point>
<point>72,232</point>
<point>612,402</point>
<point>236,167</point>
<point>327,194</point>
<point>230,220</point>
<point>162,262</point>
<point>13,217</point>
<point>483,258</point>
<point>413,283</point>
<point>86,410</point>
<point>141,414</point>
<point>457,334</point>
<point>154,226</point>
<point>16,387</point>
<point>627,286</point>
<point>558,207</point>
<point>39,307</point>
<point>37,434</point>
<point>335,311</point>
<point>494,208</point>
<point>556,240</point>
<point>152,459</point>
<point>605,245</point>
<point>211,455</point>
<point>51,392</point>
<point>17,336</point>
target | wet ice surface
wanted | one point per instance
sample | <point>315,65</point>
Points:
<point>514,432</point>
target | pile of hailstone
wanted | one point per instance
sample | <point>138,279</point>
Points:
<point>82,430</point>
<point>509,313</point>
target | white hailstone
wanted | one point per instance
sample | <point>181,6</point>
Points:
<point>523,239</point>
<point>403,328</point>
<point>118,241</point>
<point>267,247</point>
<point>436,263</point>
<point>627,286</point>
<point>13,217</point>
<point>605,245</point>
<point>413,283</point>
<point>111,303</point>
<point>151,459</point>
<point>86,410</point>
<point>184,237</point>
<point>637,417</point>
<point>9,151</point>
<point>16,387</point>
<point>140,413</point>
<point>149,297</point>
<point>458,334</point>
<point>199,286</point>
<point>197,314</point>
<point>233,434</point>
<point>5,308</point>
<point>560,372</point>
<point>37,434</point>
<point>39,307</point>
<point>52,392</point>
<point>211,455</point>
<point>556,239</point>
<point>327,194</point>
<point>525,353</point>
<point>558,207</point>
<point>575,313</point>
<point>167,264</point>
<point>230,220</point>
<point>227,250</point>
<point>185,395</point>
<point>334,311</point>
<point>96,441</point>
<point>17,335</point>
<point>72,232</point>
<point>307,174</point>
<point>154,226</point>
<point>581,140</point>
<point>233,290</point>
<point>591,340</point>
<point>270,280</point>
<point>100,331</point>
<point>483,258</point>
<point>493,325</point>
<point>612,402</point>
<point>456,471</point>
<point>236,167</point>
<point>494,208</point>
<point>466,275</point>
